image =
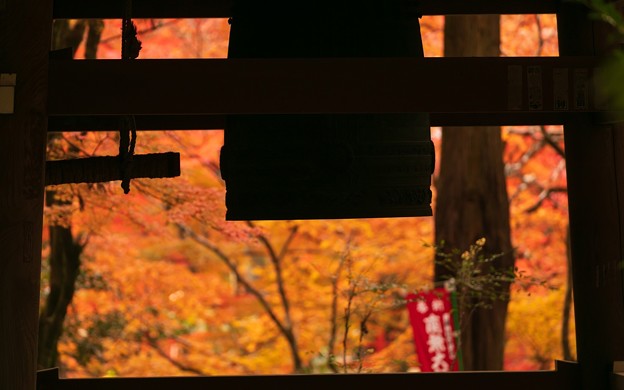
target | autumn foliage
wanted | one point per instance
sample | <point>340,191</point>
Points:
<point>167,287</point>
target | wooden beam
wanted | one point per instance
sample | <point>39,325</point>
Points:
<point>143,122</point>
<point>24,52</point>
<point>480,7</point>
<point>564,377</point>
<point>217,122</point>
<point>297,86</point>
<point>112,9</point>
<point>108,168</point>
<point>595,173</point>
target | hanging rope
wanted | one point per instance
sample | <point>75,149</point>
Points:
<point>130,48</point>
<point>127,142</point>
<point>130,45</point>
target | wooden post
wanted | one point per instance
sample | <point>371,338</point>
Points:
<point>595,170</point>
<point>25,27</point>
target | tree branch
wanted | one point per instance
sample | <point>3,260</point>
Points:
<point>540,38</point>
<point>279,277</point>
<point>276,261</point>
<point>153,27</point>
<point>331,363</point>
<point>289,239</point>
<point>285,330</point>
<point>153,343</point>
<point>551,142</point>
<point>545,194</point>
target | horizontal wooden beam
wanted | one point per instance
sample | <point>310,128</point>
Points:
<point>108,168</point>
<point>564,377</point>
<point>217,122</point>
<point>550,87</point>
<point>112,9</point>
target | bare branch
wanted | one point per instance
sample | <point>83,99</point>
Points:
<point>153,343</point>
<point>277,267</point>
<point>363,332</point>
<point>334,311</point>
<point>279,277</point>
<point>540,37</point>
<point>153,27</point>
<point>551,142</point>
<point>545,194</point>
<point>284,328</point>
<point>350,296</point>
<point>286,245</point>
<point>230,264</point>
<point>74,146</point>
<point>513,169</point>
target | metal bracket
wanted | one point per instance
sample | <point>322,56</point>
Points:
<point>7,92</point>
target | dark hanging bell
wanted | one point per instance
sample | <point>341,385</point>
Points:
<point>284,167</point>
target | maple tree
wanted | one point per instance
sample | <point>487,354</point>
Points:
<point>167,287</point>
<point>472,198</point>
<point>246,268</point>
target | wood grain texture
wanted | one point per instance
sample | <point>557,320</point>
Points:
<point>595,170</point>
<point>24,45</point>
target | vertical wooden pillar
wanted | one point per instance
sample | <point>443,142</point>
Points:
<point>595,170</point>
<point>25,27</point>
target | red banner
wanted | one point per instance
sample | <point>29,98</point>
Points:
<point>431,317</point>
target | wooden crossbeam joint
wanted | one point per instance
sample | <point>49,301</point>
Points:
<point>108,168</point>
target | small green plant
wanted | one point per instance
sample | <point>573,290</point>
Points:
<point>364,298</point>
<point>478,283</point>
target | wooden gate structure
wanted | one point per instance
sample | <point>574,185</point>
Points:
<point>196,94</point>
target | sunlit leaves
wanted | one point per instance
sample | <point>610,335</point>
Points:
<point>152,299</point>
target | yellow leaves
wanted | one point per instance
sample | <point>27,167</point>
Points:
<point>533,330</point>
<point>167,286</point>
<point>134,326</point>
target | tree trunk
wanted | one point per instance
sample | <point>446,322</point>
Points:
<point>64,268</point>
<point>65,250</point>
<point>472,196</point>
<point>567,305</point>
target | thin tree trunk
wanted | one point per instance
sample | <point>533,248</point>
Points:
<point>65,250</point>
<point>64,269</point>
<point>567,306</point>
<point>472,197</point>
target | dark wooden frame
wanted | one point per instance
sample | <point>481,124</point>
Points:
<point>77,9</point>
<point>596,194</point>
<point>565,376</point>
<point>481,92</point>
